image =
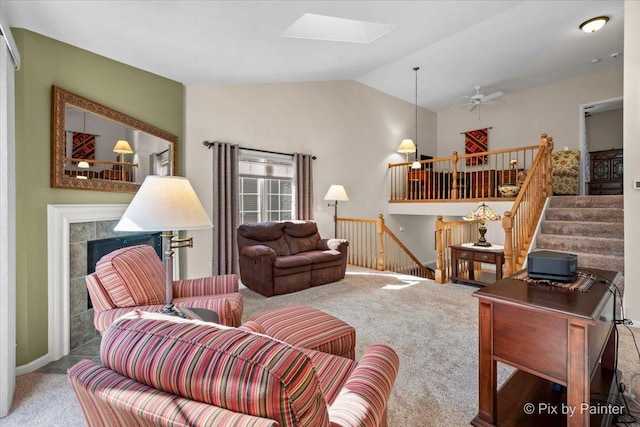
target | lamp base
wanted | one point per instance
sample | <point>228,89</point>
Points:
<point>170,310</point>
<point>484,244</point>
<point>482,241</point>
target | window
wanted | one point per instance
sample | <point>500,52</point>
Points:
<point>265,199</point>
<point>266,187</point>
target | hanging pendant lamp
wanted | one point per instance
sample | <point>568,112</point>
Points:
<point>416,163</point>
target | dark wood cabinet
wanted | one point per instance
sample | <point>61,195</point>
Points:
<point>606,168</point>
<point>562,346</point>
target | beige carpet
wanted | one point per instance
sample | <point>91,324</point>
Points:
<point>432,327</point>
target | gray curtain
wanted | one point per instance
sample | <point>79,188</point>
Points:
<point>304,185</point>
<point>226,211</point>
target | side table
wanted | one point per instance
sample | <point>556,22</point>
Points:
<point>469,254</point>
<point>201,314</point>
<point>563,347</point>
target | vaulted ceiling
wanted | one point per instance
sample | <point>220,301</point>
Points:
<point>500,45</point>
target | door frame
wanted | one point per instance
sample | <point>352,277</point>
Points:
<point>583,146</point>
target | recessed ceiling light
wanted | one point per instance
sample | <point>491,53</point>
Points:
<point>594,24</point>
<point>595,60</point>
<point>330,28</point>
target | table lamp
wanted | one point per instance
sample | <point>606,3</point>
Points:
<point>165,204</point>
<point>482,213</point>
<point>336,193</point>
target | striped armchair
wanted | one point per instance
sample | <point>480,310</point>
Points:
<point>133,278</point>
<point>161,371</point>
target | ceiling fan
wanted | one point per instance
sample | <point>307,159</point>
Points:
<point>478,98</point>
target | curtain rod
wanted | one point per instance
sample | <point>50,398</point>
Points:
<point>210,144</point>
<point>462,133</point>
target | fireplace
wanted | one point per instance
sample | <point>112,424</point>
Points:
<point>69,228</point>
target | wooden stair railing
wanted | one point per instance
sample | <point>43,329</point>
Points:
<point>451,233</point>
<point>520,222</point>
<point>459,177</point>
<point>373,245</point>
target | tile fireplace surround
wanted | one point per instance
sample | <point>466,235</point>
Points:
<point>69,227</point>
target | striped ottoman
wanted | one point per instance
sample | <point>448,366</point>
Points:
<point>305,327</point>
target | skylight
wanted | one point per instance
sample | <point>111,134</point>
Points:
<point>330,28</point>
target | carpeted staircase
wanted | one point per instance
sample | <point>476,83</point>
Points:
<point>591,227</point>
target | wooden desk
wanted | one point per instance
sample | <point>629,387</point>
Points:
<point>469,255</point>
<point>550,335</point>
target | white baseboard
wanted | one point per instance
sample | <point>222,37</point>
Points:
<point>33,365</point>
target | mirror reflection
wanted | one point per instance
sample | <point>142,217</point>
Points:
<point>95,147</point>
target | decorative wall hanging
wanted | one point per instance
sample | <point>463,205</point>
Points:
<point>476,141</point>
<point>84,146</point>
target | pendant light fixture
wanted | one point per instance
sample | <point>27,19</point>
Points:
<point>416,163</point>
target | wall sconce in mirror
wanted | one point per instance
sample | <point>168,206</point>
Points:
<point>84,136</point>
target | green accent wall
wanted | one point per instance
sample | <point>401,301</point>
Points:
<point>46,62</point>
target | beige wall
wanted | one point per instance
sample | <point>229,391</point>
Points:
<point>632,157</point>
<point>352,129</point>
<point>521,117</point>
<point>604,130</point>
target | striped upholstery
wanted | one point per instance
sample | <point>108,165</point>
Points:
<point>305,327</point>
<point>213,285</point>
<point>122,277</point>
<point>110,399</point>
<point>362,398</point>
<point>227,306</point>
<point>235,370</point>
<point>133,276</point>
<point>226,377</point>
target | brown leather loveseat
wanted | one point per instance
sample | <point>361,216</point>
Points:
<point>288,256</point>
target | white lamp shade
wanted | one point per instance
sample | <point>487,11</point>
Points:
<point>83,165</point>
<point>122,147</point>
<point>407,146</point>
<point>164,203</point>
<point>337,192</point>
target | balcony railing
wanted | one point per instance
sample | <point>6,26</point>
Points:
<point>99,169</point>
<point>466,177</point>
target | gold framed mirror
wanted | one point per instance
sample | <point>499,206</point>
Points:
<point>96,148</point>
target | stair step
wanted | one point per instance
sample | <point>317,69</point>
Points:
<point>599,214</point>
<point>602,262</point>
<point>584,228</point>
<point>587,201</point>
<point>592,245</point>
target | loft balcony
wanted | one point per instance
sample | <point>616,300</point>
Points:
<point>455,184</point>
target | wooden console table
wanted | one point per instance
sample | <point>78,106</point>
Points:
<point>470,254</point>
<point>562,346</point>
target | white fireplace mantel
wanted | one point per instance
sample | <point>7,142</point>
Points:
<point>59,217</point>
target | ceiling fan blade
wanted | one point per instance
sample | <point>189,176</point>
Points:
<point>494,95</point>
<point>461,105</point>
<point>473,107</point>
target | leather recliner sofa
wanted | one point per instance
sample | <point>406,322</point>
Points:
<point>288,256</point>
